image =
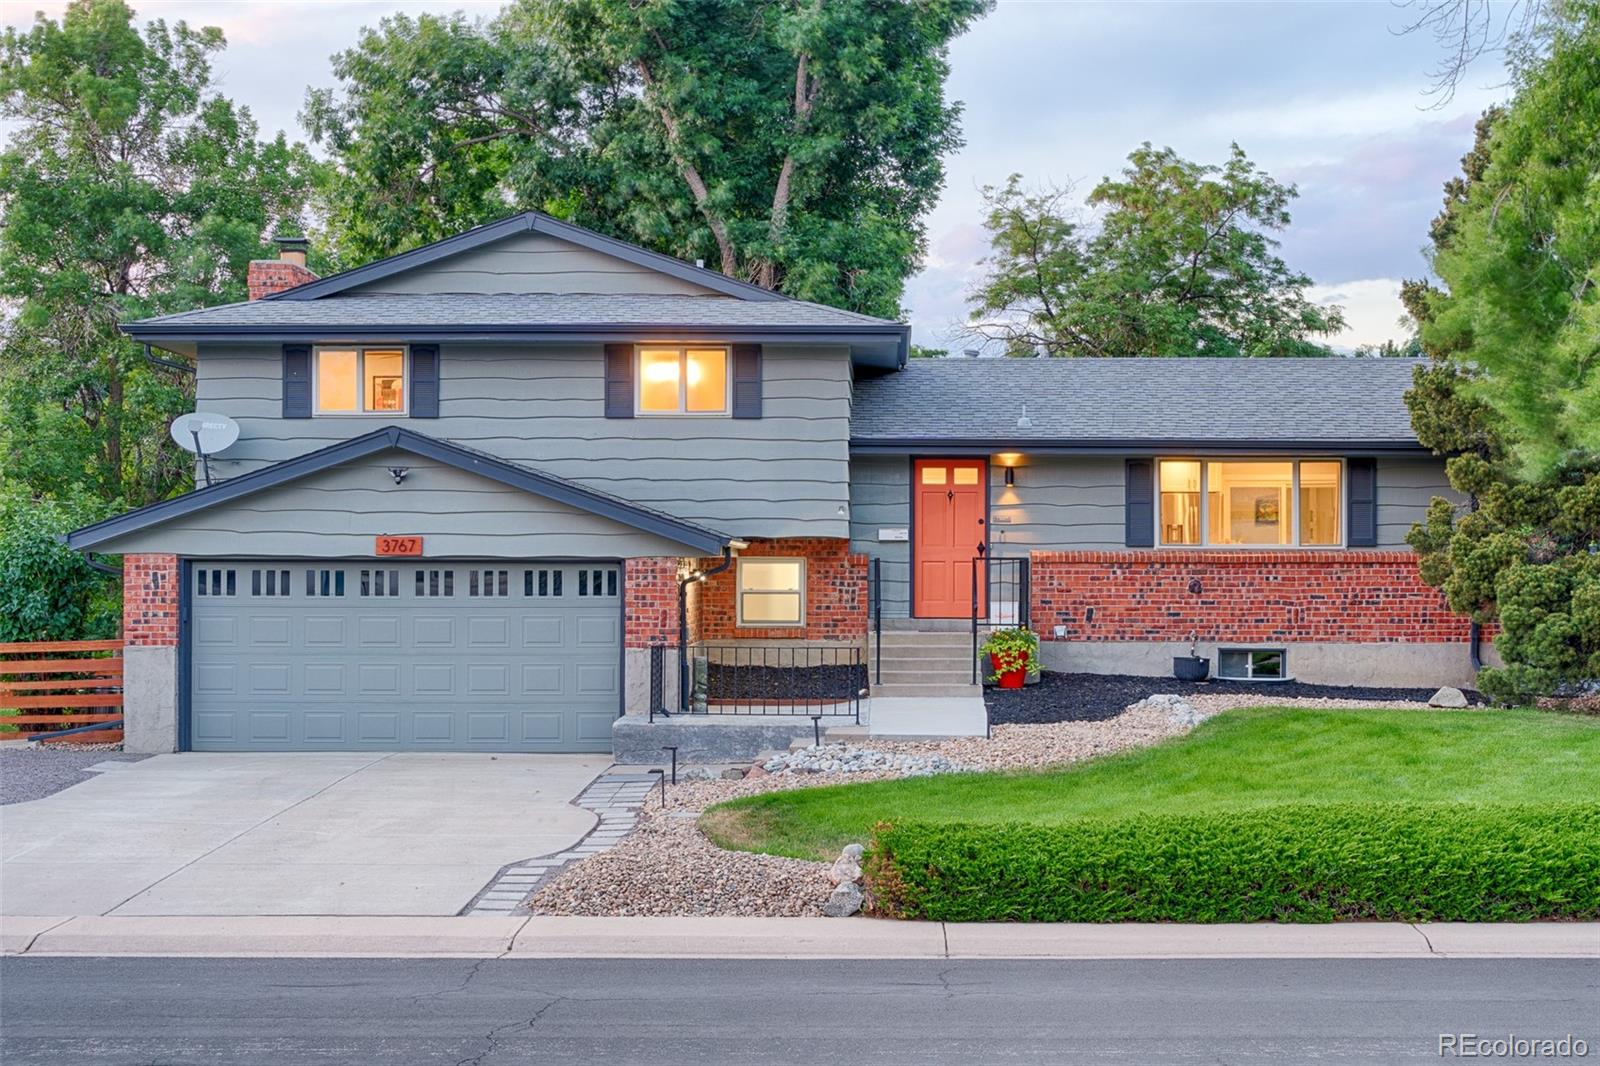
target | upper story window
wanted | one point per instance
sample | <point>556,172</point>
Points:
<point>1251,503</point>
<point>682,381</point>
<point>359,380</point>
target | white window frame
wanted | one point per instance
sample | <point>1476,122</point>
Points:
<point>1283,660</point>
<point>361,380</point>
<point>1294,501</point>
<point>683,380</point>
<point>739,593</point>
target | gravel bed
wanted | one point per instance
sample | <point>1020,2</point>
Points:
<point>34,772</point>
<point>1096,697</point>
<point>667,867</point>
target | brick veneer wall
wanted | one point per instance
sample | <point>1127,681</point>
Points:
<point>836,594</point>
<point>650,601</point>
<point>150,600</point>
<point>1246,596</point>
<point>267,276</point>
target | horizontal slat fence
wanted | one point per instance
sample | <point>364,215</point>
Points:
<point>37,696</point>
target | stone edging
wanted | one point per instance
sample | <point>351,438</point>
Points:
<point>615,797</point>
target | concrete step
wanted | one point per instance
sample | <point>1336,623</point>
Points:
<point>960,675</point>
<point>901,660</point>
<point>927,640</point>
<point>924,651</point>
<point>927,625</point>
<point>927,690</point>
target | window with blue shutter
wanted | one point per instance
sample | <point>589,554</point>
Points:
<point>747,381</point>
<point>1139,515</point>
<point>296,381</point>
<point>424,381</point>
<point>1362,477</point>
<point>619,381</point>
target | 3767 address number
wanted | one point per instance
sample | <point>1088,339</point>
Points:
<point>399,546</point>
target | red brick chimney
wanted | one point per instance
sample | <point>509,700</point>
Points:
<point>268,276</point>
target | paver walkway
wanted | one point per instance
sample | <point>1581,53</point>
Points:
<point>615,796</point>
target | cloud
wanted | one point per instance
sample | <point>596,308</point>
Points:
<point>1372,310</point>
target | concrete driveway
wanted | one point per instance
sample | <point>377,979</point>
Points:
<point>299,833</point>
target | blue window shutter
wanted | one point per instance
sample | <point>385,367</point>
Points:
<point>296,381</point>
<point>1362,475</point>
<point>747,381</point>
<point>424,381</point>
<point>1139,504</point>
<point>619,381</point>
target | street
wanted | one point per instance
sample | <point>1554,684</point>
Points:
<point>286,1011</point>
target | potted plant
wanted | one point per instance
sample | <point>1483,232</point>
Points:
<point>1013,653</point>
<point>1191,667</point>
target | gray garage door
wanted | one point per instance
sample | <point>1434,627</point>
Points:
<point>459,656</point>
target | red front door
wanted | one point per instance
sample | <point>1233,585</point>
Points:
<point>948,514</point>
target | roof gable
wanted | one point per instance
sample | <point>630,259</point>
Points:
<point>395,438</point>
<point>367,278</point>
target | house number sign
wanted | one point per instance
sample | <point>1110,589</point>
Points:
<point>399,545</point>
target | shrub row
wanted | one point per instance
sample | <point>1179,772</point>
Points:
<point>1312,863</point>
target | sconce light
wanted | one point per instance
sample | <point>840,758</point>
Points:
<point>1011,476</point>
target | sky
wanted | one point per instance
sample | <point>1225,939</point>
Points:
<point>1325,95</point>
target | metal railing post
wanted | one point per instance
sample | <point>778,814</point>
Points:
<point>975,564</point>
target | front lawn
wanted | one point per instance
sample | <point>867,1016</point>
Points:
<point>1239,760</point>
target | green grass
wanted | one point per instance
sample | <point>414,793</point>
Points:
<point>1238,761</point>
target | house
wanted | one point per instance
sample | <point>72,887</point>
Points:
<point>475,481</point>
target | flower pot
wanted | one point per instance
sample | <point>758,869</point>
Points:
<point>1190,667</point>
<point>1014,678</point>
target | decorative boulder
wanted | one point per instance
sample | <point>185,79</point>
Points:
<point>844,901</point>
<point>1448,697</point>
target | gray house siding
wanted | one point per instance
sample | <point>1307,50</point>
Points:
<point>338,512</point>
<point>782,475</point>
<point>1065,503</point>
<point>532,262</point>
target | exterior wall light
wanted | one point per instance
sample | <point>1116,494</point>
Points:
<point>1011,477</point>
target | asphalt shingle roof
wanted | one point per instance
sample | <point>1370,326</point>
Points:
<point>514,309</point>
<point>1154,400</point>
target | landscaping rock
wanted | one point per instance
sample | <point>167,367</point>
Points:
<point>1448,697</point>
<point>848,759</point>
<point>845,869</point>
<point>1180,710</point>
<point>844,901</point>
<point>853,852</point>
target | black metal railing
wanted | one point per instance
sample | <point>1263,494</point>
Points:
<point>769,679</point>
<point>876,591</point>
<point>1000,595</point>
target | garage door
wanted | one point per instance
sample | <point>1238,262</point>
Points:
<point>462,656</point>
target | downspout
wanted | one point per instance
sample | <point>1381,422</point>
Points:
<point>683,619</point>
<point>104,568</point>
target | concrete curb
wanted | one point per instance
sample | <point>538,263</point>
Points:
<point>776,938</point>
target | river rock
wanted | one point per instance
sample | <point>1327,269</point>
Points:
<point>1448,697</point>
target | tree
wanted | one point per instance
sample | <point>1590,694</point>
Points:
<point>798,145</point>
<point>47,590</point>
<point>1180,262</point>
<point>129,188</point>
<point>1514,391</point>
<point>1466,30</point>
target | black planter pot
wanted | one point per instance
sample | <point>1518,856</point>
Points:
<point>1190,667</point>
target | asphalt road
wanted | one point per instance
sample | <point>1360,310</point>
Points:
<point>285,1012</point>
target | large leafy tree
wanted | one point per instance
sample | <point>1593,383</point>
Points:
<point>798,144</point>
<point>1513,392</point>
<point>129,187</point>
<point>1178,261</point>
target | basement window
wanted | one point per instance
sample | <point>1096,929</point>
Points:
<point>772,592</point>
<point>1252,664</point>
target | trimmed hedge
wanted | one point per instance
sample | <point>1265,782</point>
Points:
<point>1311,863</point>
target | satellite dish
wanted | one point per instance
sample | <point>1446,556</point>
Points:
<point>204,434</point>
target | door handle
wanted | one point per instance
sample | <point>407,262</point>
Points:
<point>981,548</point>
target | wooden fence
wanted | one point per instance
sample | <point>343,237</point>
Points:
<point>51,686</point>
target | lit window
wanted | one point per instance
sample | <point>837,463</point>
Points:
<point>966,475</point>
<point>361,381</point>
<point>1180,502</point>
<point>772,592</point>
<point>933,475</point>
<point>675,381</point>
<point>1251,503</point>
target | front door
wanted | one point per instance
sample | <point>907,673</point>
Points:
<point>949,506</point>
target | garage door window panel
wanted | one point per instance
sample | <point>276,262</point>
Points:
<point>211,581</point>
<point>324,583</point>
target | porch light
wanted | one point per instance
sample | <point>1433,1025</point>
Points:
<point>1011,477</point>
